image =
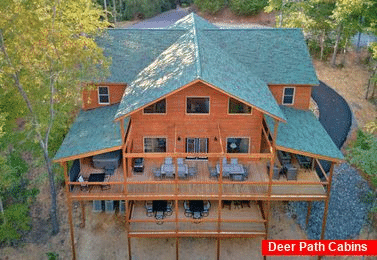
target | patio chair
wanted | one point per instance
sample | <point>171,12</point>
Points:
<point>225,161</point>
<point>149,208</point>
<point>169,208</point>
<point>168,160</point>
<point>157,173</point>
<point>188,212</point>
<point>212,172</point>
<point>246,169</point>
<point>170,175</point>
<point>206,208</point>
<point>106,186</point>
<point>83,184</point>
<point>234,161</point>
<point>192,171</point>
<point>180,161</point>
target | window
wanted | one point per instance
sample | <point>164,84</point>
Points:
<point>156,108</point>
<point>288,96</point>
<point>197,105</point>
<point>237,145</point>
<point>237,107</point>
<point>154,145</point>
<point>103,95</point>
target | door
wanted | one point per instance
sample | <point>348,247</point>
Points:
<point>196,145</point>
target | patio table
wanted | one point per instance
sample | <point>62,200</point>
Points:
<point>168,170</point>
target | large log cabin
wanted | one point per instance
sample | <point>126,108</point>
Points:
<point>204,116</point>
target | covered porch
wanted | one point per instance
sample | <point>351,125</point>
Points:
<point>225,221</point>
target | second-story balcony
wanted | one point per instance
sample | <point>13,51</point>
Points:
<point>212,178</point>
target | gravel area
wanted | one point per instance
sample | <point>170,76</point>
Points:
<point>348,207</point>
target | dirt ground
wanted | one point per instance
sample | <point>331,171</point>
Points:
<point>104,236</point>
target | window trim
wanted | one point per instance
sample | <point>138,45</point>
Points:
<point>99,95</point>
<point>238,114</point>
<point>166,108</point>
<point>244,137</point>
<point>293,96</point>
<point>200,114</point>
<point>166,143</point>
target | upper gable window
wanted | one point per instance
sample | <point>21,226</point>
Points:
<point>237,107</point>
<point>103,95</point>
<point>197,105</point>
<point>288,95</point>
<point>156,108</point>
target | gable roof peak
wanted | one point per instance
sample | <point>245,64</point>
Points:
<point>192,20</point>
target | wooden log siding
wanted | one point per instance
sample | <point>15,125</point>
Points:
<point>301,96</point>
<point>176,123</point>
<point>90,95</point>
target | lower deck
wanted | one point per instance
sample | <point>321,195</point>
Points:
<point>234,219</point>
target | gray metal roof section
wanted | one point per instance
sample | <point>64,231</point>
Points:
<point>93,130</point>
<point>276,55</point>
<point>131,50</point>
<point>194,56</point>
<point>303,132</point>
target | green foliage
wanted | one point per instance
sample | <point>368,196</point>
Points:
<point>186,3</point>
<point>14,223</point>
<point>315,48</point>
<point>52,256</point>
<point>210,6</point>
<point>363,153</point>
<point>16,196</point>
<point>130,9</point>
<point>247,7</point>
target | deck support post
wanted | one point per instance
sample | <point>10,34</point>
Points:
<point>324,220</point>
<point>71,228</point>
<point>83,217</point>
<point>218,248</point>
<point>177,248</point>
<point>129,247</point>
<point>308,213</point>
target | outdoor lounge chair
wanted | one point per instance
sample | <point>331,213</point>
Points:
<point>169,208</point>
<point>83,184</point>
<point>149,208</point>
<point>188,212</point>
<point>206,208</point>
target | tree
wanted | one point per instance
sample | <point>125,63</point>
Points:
<point>313,16</point>
<point>346,15</point>
<point>47,48</point>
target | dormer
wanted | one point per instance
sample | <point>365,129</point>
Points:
<point>102,95</point>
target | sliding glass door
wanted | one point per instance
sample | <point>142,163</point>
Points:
<point>196,145</point>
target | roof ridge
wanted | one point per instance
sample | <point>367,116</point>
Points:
<point>197,53</point>
<point>146,29</point>
<point>250,29</point>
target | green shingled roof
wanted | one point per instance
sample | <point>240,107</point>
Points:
<point>194,56</point>
<point>192,19</point>
<point>303,132</point>
<point>131,50</point>
<point>276,55</point>
<point>93,130</point>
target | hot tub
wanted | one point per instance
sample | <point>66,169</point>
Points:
<point>108,160</point>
